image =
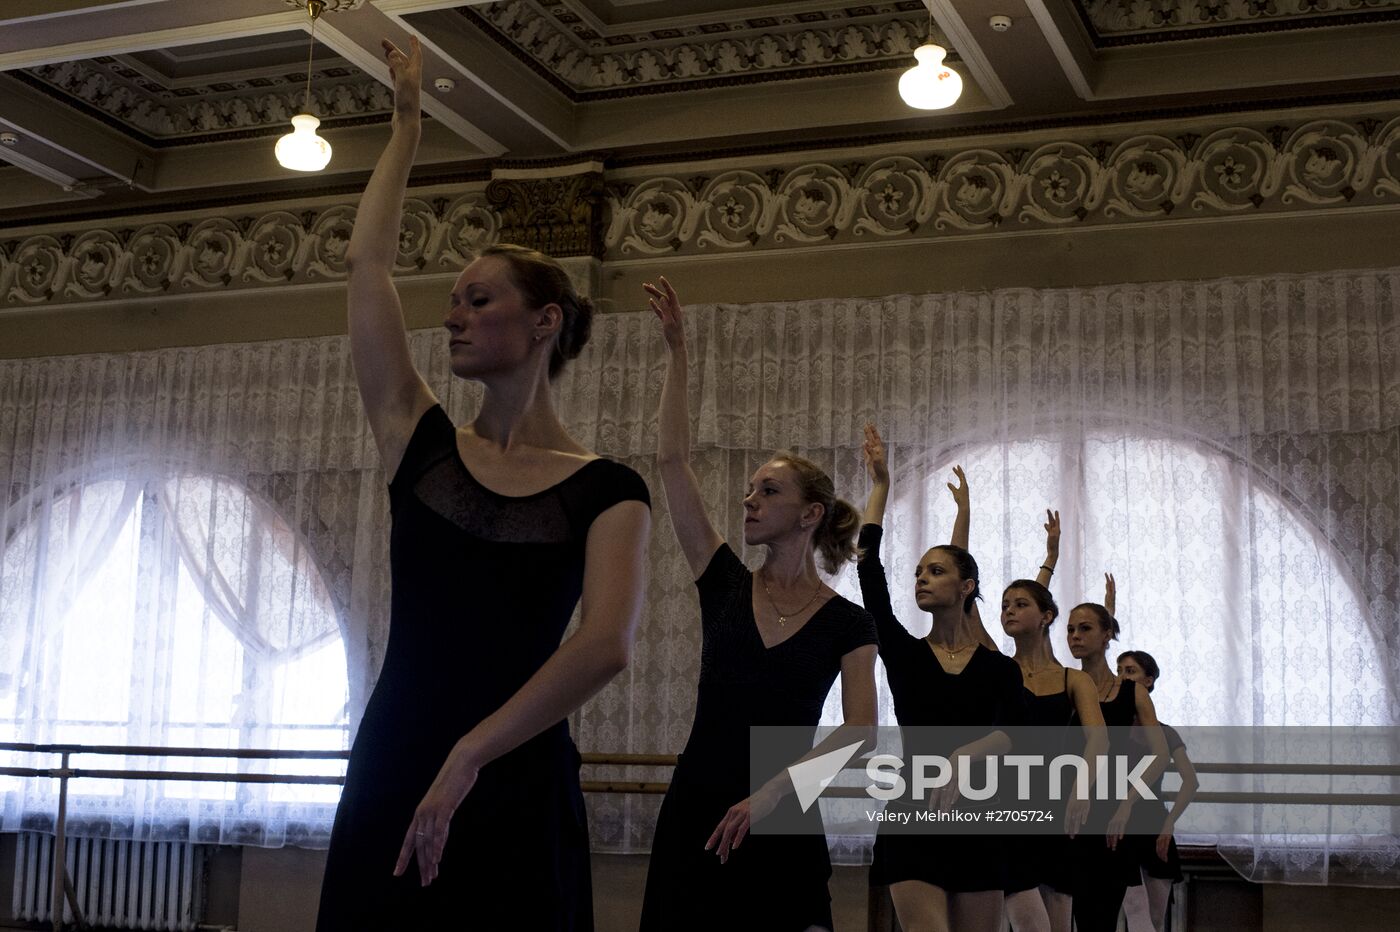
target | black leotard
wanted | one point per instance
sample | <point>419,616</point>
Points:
<point>483,587</point>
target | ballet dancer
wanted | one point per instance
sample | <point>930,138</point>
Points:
<point>461,806</point>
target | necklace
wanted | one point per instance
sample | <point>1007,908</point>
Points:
<point>784,616</point>
<point>1103,693</point>
<point>1028,672</point>
<point>953,654</point>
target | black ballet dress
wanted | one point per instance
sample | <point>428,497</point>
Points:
<point>1047,859</point>
<point>770,883</point>
<point>987,694</point>
<point>1148,817</point>
<point>483,587</point>
<point>1105,874</point>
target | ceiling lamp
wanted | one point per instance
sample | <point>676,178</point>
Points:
<point>302,150</point>
<point>930,85</point>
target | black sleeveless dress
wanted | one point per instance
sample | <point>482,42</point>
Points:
<point>1046,859</point>
<point>1106,874</point>
<point>986,695</point>
<point>483,587</point>
<point>1148,817</point>
<point>770,883</point>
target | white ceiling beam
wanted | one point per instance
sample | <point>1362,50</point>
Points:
<point>356,36</point>
<point>63,146</point>
<point>112,32</point>
<point>974,58</point>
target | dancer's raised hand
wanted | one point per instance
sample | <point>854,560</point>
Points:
<point>1052,533</point>
<point>874,449</point>
<point>666,305</point>
<point>406,71</point>
<point>961,496</point>
<point>1110,594</point>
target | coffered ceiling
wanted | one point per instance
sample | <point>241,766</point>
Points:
<point>122,106</point>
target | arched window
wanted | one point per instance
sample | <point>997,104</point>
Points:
<point>1250,610</point>
<point>174,611</point>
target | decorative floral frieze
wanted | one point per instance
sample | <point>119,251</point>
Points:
<point>1129,17</point>
<point>586,62</point>
<point>219,252</point>
<point>1238,171</point>
<point>162,113</point>
<point>1233,171</point>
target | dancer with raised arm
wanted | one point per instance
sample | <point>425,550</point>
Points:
<point>1039,881</point>
<point>1105,868</point>
<point>773,643</point>
<point>938,882</point>
<point>1149,838</point>
<point>1057,698</point>
<point>461,807</point>
<point>962,530</point>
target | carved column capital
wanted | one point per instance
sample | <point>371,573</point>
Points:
<point>557,210</point>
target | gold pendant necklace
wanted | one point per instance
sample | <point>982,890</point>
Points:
<point>783,616</point>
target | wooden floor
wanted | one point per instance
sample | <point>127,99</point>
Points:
<point>619,879</point>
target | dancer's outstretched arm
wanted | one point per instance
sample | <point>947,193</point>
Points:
<point>1052,548</point>
<point>1085,696</point>
<point>1189,784</point>
<point>962,522</point>
<point>859,720</point>
<point>1157,743</point>
<point>879,472</point>
<point>394,394</point>
<point>874,587</point>
<point>698,537</point>
<point>962,534</point>
<point>614,580</point>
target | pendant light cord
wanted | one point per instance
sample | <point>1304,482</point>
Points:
<point>313,9</point>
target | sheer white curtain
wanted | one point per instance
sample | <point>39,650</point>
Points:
<point>1229,449</point>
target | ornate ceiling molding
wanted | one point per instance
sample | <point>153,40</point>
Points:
<point>1235,171</point>
<point>332,6</point>
<point>1116,22</point>
<point>585,65</point>
<point>1218,172</point>
<point>133,103</point>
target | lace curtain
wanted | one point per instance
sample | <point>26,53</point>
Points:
<point>1230,449</point>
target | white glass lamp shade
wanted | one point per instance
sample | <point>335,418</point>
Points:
<point>302,150</point>
<point>930,85</point>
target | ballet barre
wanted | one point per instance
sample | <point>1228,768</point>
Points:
<point>65,772</point>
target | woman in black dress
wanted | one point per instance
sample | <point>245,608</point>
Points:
<point>1150,839</point>
<point>461,806</point>
<point>1105,868</point>
<point>949,678</point>
<point>1039,873</point>
<point>1056,698</point>
<point>773,642</point>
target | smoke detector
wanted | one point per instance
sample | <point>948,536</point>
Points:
<point>1000,23</point>
<point>9,139</point>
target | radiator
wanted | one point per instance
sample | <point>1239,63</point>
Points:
<point>119,884</point>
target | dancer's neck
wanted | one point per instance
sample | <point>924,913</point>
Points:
<point>1033,653</point>
<point>519,409</point>
<point>1097,667</point>
<point>790,564</point>
<point>952,628</point>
